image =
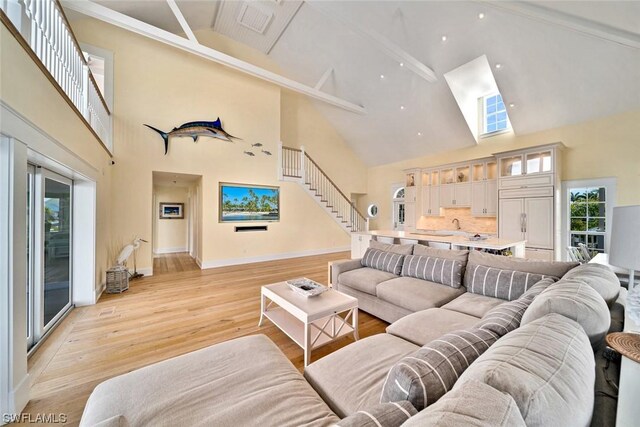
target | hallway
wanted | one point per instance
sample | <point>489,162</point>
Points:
<point>174,263</point>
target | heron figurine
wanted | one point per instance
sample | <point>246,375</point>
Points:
<point>126,252</point>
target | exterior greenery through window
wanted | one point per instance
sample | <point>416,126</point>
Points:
<point>495,114</point>
<point>588,217</point>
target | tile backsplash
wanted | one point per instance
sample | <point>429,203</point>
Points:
<point>467,221</point>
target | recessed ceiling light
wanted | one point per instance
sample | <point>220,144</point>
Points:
<point>402,64</point>
<point>444,38</point>
<point>498,66</point>
<point>481,15</point>
<point>382,76</point>
<point>402,107</point>
<point>512,105</point>
<point>419,133</point>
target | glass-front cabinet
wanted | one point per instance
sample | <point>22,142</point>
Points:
<point>539,162</point>
<point>447,176</point>
<point>463,174</point>
<point>484,171</point>
<point>511,166</point>
<point>527,163</point>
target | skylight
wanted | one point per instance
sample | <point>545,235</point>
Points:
<point>494,114</point>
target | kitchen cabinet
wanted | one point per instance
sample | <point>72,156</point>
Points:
<point>359,244</point>
<point>529,218</point>
<point>455,195</point>
<point>431,201</point>
<point>484,198</point>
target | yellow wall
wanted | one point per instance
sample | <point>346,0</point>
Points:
<point>606,147</point>
<point>164,87</point>
<point>25,89</point>
<point>170,234</point>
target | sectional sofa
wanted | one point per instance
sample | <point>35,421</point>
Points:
<point>509,343</point>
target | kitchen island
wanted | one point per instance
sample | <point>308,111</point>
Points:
<point>455,240</point>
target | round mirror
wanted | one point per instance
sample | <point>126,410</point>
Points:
<point>372,211</point>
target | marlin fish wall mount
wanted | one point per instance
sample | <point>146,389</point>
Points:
<point>194,130</point>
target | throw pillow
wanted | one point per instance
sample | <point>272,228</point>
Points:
<point>507,316</point>
<point>390,247</point>
<point>438,270</point>
<point>392,414</point>
<point>498,283</point>
<point>548,268</point>
<point>384,261</point>
<point>423,377</point>
<point>455,254</point>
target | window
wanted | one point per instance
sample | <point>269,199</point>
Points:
<point>495,114</point>
<point>588,217</point>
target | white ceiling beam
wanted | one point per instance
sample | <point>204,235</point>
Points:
<point>112,17</point>
<point>572,22</point>
<point>389,48</point>
<point>324,78</point>
<point>182,21</point>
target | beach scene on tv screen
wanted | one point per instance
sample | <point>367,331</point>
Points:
<point>249,204</point>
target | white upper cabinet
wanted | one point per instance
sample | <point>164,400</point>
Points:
<point>484,188</point>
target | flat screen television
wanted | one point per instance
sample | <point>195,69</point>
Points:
<point>248,203</point>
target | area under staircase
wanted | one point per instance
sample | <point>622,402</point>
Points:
<point>294,164</point>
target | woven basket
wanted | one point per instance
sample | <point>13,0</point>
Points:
<point>117,280</point>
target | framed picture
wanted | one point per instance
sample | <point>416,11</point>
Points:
<point>248,203</point>
<point>171,210</point>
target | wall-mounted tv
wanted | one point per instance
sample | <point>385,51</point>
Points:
<point>248,203</point>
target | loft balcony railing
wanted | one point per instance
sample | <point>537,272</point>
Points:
<point>43,25</point>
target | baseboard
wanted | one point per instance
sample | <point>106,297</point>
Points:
<point>273,257</point>
<point>161,251</point>
<point>100,291</point>
<point>19,396</point>
<point>198,261</point>
<point>148,271</point>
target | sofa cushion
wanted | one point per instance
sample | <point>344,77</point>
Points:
<point>473,304</point>
<point>454,254</point>
<point>383,261</point>
<point>365,279</point>
<point>245,381</point>
<point>547,366</point>
<point>600,277</point>
<point>438,270</point>
<point>339,267</point>
<point>427,325</point>
<point>548,268</point>
<point>415,294</point>
<point>351,379</point>
<point>507,317</point>
<point>577,301</point>
<point>498,283</point>
<point>472,404</point>
<point>372,304</point>
<point>426,375</point>
<point>391,414</point>
<point>389,247</point>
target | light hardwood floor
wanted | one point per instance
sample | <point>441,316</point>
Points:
<point>161,317</point>
<point>173,263</point>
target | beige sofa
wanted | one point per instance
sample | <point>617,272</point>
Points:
<point>541,373</point>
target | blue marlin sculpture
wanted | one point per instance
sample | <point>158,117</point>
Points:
<point>194,130</point>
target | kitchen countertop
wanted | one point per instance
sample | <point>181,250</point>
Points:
<point>456,240</point>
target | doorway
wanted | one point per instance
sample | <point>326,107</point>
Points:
<point>176,237</point>
<point>397,198</point>
<point>49,251</point>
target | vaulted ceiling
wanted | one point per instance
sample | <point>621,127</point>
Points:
<point>560,62</point>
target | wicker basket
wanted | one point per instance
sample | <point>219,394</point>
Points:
<point>117,280</point>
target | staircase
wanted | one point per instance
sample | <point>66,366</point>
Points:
<point>295,164</point>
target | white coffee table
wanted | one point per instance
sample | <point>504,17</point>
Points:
<point>309,322</point>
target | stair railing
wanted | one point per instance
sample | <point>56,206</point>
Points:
<point>296,164</point>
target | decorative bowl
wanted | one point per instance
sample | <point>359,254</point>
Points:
<point>306,287</point>
<point>477,238</point>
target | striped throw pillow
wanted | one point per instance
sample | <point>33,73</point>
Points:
<point>383,260</point>
<point>494,282</point>
<point>392,414</point>
<point>438,270</point>
<point>507,316</point>
<point>425,376</point>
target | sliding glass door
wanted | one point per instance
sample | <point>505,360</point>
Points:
<point>49,250</point>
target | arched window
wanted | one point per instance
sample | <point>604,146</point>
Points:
<point>399,194</point>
